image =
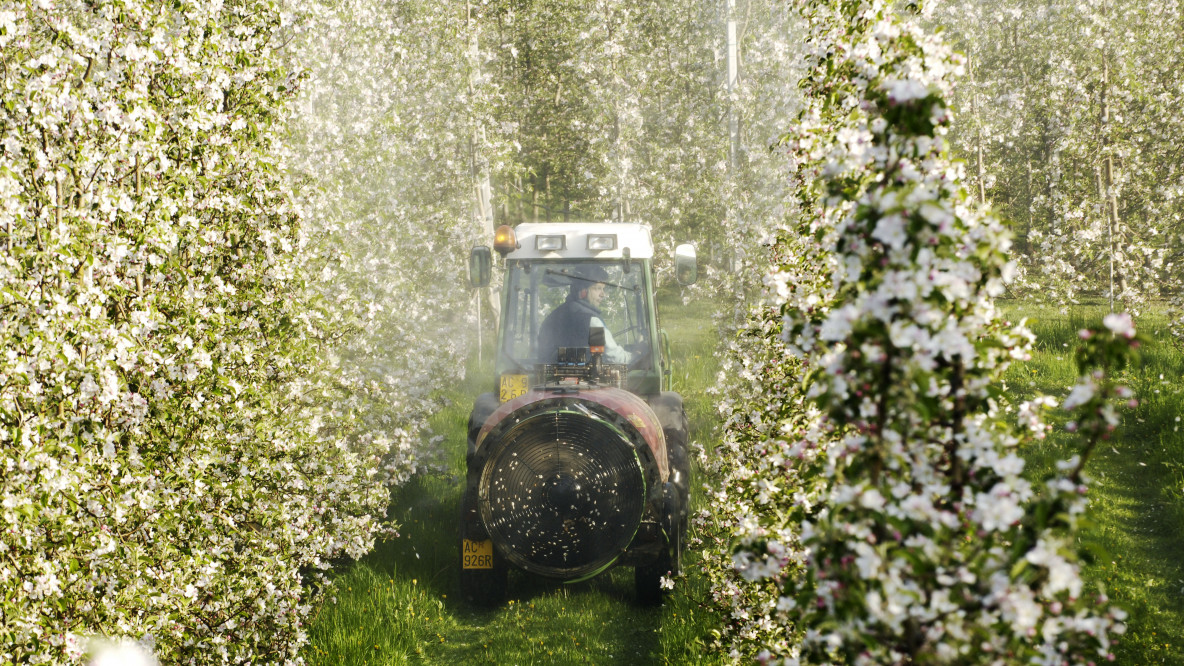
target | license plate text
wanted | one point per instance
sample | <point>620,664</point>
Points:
<point>476,554</point>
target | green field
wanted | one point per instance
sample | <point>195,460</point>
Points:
<point>400,604</point>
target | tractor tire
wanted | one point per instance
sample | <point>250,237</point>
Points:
<point>483,406</point>
<point>481,587</point>
<point>484,587</point>
<point>680,473</point>
<point>676,428</point>
<point>647,578</point>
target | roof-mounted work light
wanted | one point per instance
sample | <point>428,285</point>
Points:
<point>504,240</point>
<point>602,242</point>
<point>550,243</point>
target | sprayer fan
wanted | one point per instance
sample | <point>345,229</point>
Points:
<point>563,488</point>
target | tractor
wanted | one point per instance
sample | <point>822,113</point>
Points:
<point>577,460</point>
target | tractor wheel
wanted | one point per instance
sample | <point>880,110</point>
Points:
<point>485,405</point>
<point>481,587</point>
<point>484,587</point>
<point>680,471</point>
<point>647,578</point>
<point>668,407</point>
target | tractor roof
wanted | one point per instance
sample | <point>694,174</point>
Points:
<point>579,236</point>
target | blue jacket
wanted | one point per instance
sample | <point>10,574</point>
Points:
<point>566,326</point>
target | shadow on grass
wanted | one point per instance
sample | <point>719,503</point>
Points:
<point>1144,571</point>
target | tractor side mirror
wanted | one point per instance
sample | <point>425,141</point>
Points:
<point>480,267</point>
<point>686,267</point>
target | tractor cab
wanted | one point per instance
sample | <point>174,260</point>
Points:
<point>557,275</point>
<point>553,305</point>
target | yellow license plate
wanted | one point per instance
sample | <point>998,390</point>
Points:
<point>512,386</point>
<point>476,554</point>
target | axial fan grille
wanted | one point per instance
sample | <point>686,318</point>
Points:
<point>563,490</point>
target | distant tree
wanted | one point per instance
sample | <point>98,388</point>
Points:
<point>1071,115</point>
<point>618,110</point>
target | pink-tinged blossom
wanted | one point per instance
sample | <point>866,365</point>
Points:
<point>1081,394</point>
<point>890,231</point>
<point>1119,323</point>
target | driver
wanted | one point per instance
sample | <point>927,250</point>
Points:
<point>569,324</point>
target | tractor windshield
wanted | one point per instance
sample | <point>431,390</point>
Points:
<point>551,304</point>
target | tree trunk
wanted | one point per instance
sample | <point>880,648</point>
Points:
<point>978,125</point>
<point>1108,195</point>
<point>482,191</point>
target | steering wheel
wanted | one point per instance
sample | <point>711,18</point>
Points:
<point>625,330</point>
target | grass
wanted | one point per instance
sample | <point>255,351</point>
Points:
<point>400,604</point>
<point>1137,493</point>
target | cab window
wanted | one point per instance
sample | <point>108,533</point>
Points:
<point>535,289</point>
